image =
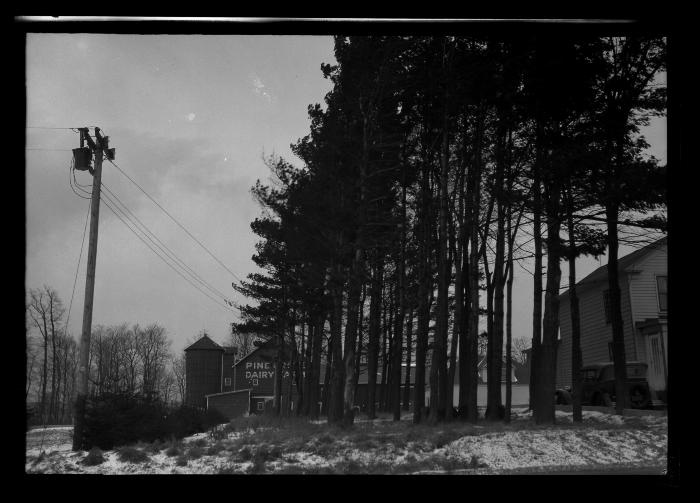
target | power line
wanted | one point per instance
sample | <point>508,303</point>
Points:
<point>161,257</point>
<point>162,246</point>
<point>49,149</point>
<point>118,204</point>
<point>51,127</point>
<point>176,221</point>
<point>82,244</point>
<point>71,174</point>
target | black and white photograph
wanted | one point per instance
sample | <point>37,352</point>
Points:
<point>274,246</point>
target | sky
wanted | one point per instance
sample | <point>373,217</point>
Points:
<point>190,117</point>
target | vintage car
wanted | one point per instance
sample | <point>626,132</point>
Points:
<point>599,386</point>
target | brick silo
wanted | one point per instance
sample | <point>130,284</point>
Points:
<point>203,371</point>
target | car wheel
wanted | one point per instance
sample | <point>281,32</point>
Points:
<point>563,397</point>
<point>638,398</point>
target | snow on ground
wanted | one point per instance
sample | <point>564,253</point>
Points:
<point>603,440</point>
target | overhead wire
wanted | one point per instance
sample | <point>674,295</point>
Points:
<point>146,233</point>
<point>163,259</point>
<point>176,221</point>
<point>71,180</point>
<point>77,269</point>
<point>162,246</point>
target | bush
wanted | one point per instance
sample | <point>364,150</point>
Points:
<point>245,454</point>
<point>132,455</point>
<point>94,457</point>
<point>31,412</point>
<point>215,449</point>
<point>120,419</point>
<point>112,420</point>
<point>156,446</point>
<point>195,452</point>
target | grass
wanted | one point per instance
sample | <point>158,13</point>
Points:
<point>264,444</point>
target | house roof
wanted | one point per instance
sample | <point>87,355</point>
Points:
<point>600,275</point>
<point>204,342</point>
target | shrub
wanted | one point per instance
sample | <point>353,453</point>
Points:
<point>130,454</point>
<point>195,452</point>
<point>326,439</point>
<point>443,438</point>
<point>294,444</point>
<point>200,442</point>
<point>94,457</point>
<point>181,461</point>
<point>121,419</point>
<point>155,447</point>
<point>113,419</point>
<point>173,449</point>
<point>350,466</point>
<point>275,452</point>
<point>245,454</point>
<point>475,462</point>
<point>215,449</point>
<point>258,466</point>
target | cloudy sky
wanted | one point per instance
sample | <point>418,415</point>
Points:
<point>190,117</point>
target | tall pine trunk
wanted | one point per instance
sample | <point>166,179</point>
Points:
<point>374,329</point>
<point>473,211</point>
<point>335,402</point>
<point>409,347</point>
<point>495,346</point>
<point>424,293</point>
<point>546,386</point>
<point>401,312</point>
<point>537,268</point>
<point>618,344</point>
<point>438,369</point>
<point>576,356</point>
<point>509,318</point>
<point>351,338</point>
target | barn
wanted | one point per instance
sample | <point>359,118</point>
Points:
<point>204,370</point>
<point>216,379</point>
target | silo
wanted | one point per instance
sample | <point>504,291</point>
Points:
<point>203,362</point>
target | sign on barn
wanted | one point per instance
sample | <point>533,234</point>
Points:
<point>258,372</point>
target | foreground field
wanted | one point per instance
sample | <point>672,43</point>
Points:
<point>266,445</point>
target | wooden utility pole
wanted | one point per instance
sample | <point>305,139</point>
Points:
<point>99,146</point>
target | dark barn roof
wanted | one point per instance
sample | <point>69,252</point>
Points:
<point>204,343</point>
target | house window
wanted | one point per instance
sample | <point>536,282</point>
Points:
<point>662,289</point>
<point>606,305</point>
<point>261,405</point>
<point>227,381</point>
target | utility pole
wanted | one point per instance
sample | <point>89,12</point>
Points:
<point>99,147</point>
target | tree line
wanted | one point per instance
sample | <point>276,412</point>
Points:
<point>123,360</point>
<point>437,165</point>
